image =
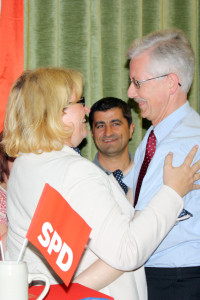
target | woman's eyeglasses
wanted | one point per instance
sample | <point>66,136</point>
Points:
<point>80,101</point>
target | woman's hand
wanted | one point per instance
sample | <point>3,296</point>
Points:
<point>182,178</point>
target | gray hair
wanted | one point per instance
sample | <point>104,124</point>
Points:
<point>170,52</point>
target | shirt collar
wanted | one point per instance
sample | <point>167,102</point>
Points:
<point>170,122</point>
<point>96,161</point>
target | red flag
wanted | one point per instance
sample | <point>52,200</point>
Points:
<point>11,48</point>
<point>58,232</point>
<point>74,292</point>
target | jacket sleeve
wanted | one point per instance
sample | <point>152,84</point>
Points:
<point>118,239</point>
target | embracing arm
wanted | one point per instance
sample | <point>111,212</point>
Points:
<point>98,275</point>
<point>181,179</point>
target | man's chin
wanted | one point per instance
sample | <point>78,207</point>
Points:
<point>144,114</point>
<point>110,151</point>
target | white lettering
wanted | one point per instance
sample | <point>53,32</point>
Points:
<point>55,244</point>
<point>45,228</point>
<point>65,249</point>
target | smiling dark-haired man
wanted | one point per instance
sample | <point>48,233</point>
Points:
<point>111,128</point>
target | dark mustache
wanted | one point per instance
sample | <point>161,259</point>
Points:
<point>113,136</point>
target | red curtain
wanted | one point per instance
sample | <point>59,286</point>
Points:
<point>11,48</point>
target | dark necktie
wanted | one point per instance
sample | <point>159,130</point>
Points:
<point>150,150</point>
<point>77,150</point>
<point>119,176</point>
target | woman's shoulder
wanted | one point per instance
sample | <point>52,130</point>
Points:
<point>85,167</point>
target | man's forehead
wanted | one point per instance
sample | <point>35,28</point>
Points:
<point>108,117</point>
<point>140,62</point>
<point>112,113</point>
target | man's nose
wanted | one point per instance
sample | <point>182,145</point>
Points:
<point>132,91</point>
<point>108,130</point>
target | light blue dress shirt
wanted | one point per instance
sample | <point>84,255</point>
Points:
<point>177,133</point>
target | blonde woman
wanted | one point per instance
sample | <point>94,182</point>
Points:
<point>45,119</point>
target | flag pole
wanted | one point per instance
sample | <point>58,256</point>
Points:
<point>2,253</point>
<point>22,250</point>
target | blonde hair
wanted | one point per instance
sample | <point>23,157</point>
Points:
<point>33,121</point>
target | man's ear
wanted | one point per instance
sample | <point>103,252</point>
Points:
<point>173,83</point>
<point>132,127</point>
